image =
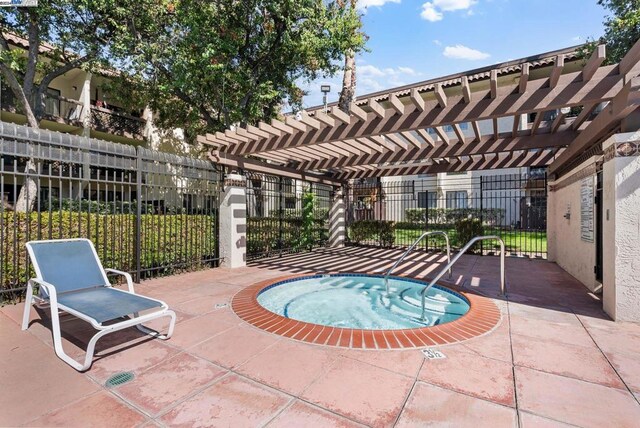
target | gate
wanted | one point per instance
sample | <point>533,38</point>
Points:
<point>147,213</point>
<point>276,215</point>
<point>395,212</point>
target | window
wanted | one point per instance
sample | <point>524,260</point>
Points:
<point>52,102</point>
<point>456,200</point>
<point>427,199</point>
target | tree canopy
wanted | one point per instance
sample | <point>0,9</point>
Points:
<point>208,64</point>
<point>622,28</point>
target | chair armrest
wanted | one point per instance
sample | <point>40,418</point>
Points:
<point>126,275</point>
<point>49,288</point>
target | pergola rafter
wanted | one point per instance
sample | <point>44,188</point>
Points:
<point>420,127</point>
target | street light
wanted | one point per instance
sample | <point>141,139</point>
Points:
<point>325,89</point>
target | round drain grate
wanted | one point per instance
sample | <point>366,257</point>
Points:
<point>119,379</point>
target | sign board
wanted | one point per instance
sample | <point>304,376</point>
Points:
<point>586,209</point>
<point>433,354</point>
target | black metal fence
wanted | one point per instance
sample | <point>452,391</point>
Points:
<point>395,213</point>
<point>148,213</point>
<point>277,220</point>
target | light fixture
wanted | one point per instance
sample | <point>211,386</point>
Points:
<point>325,89</point>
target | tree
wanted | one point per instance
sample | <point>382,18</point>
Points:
<point>62,35</point>
<point>622,28</point>
<point>211,64</point>
<point>348,91</point>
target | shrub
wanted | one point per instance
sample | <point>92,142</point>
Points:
<point>467,229</point>
<point>264,237</point>
<point>441,216</point>
<point>168,242</point>
<point>379,230</point>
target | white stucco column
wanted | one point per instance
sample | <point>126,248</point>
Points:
<point>233,222</point>
<point>621,227</point>
<point>337,220</point>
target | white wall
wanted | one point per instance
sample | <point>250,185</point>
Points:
<point>564,243</point>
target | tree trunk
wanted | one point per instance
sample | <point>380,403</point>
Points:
<point>29,191</point>
<point>348,91</point>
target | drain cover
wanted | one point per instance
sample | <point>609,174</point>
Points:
<point>119,379</point>
<point>220,305</point>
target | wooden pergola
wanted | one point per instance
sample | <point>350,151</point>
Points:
<point>402,131</point>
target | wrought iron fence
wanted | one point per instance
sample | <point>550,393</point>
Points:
<point>148,213</point>
<point>506,203</point>
<point>277,220</point>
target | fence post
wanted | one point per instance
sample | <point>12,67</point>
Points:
<point>281,211</point>
<point>337,221</point>
<point>481,215</point>
<point>138,231</point>
<point>233,222</point>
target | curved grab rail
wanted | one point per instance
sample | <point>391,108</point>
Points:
<point>455,259</point>
<point>406,253</point>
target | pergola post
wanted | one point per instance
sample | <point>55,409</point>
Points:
<point>337,219</point>
<point>233,222</point>
<point>621,250</point>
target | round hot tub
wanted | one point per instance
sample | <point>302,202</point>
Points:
<point>355,311</point>
<point>361,301</point>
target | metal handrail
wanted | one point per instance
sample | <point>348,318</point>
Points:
<point>406,253</point>
<point>455,259</point>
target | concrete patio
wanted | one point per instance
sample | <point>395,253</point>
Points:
<point>555,359</point>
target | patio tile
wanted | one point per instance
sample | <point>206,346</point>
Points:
<point>551,331</point>
<point>559,315</point>
<point>361,392</point>
<point>32,373</point>
<point>628,367</point>
<point>98,410</point>
<point>432,406</point>
<point>618,341</point>
<point>471,374</point>
<point>234,346</point>
<point>495,344</point>
<point>407,363</point>
<point>288,366</point>
<point>232,401</point>
<point>574,401</point>
<point>136,358</point>
<point>164,384</point>
<point>552,357</point>
<point>198,329</point>
<point>301,414</point>
<point>529,420</point>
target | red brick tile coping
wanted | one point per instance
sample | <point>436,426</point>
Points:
<point>482,317</point>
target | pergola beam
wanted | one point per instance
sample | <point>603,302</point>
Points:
<point>487,144</point>
<point>568,92</point>
<point>238,162</point>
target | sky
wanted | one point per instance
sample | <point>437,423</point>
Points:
<point>410,41</point>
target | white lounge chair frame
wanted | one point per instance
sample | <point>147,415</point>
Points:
<point>52,301</point>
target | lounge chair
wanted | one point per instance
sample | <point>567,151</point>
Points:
<point>72,279</point>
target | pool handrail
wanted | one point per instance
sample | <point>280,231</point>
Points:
<point>455,259</point>
<point>406,253</point>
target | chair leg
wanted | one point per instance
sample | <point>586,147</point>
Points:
<point>156,334</point>
<point>27,306</point>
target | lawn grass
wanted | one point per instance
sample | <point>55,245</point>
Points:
<point>514,240</point>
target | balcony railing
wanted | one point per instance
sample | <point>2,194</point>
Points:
<point>64,110</point>
<point>117,123</point>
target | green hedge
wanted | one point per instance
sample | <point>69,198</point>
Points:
<point>168,242</point>
<point>263,234</point>
<point>491,216</point>
<point>380,231</point>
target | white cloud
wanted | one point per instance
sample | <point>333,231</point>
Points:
<point>437,42</point>
<point>434,10</point>
<point>463,52</point>
<point>363,4</point>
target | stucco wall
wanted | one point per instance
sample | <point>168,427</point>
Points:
<point>621,238</point>
<point>565,245</point>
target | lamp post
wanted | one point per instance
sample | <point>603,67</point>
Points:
<point>325,89</point>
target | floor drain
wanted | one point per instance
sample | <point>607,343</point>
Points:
<point>119,379</point>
